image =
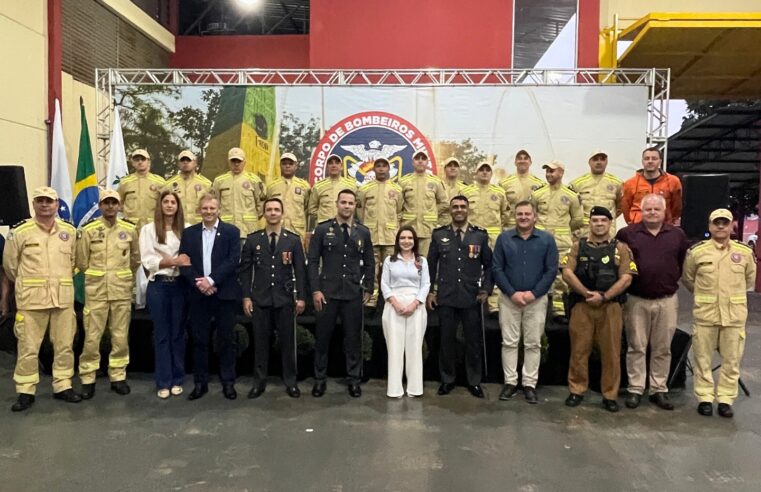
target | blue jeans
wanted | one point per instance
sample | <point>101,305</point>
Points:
<point>166,302</point>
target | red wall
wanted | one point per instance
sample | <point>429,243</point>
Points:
<point>588,45</point>
<point>410,33</point>
<point>241,52</point>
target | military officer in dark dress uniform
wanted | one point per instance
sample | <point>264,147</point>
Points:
<point>273,276</point>
<point>340,271</point>
<point>459,261</point>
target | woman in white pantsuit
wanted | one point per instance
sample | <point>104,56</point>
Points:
<point>404,284</point>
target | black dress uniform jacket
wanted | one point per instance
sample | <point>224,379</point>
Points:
<point>342,270</point>
<point>267,276</point>
<point>460,269</point>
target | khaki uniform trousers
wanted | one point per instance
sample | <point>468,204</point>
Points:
<point>602,325</point>
<point>380,252</point>
<point>30,328</point>
<point>564,242</point>
<point>527,321</point>
<point>97,315</point>
<point>493,300</point>
<point>649,322</point>
<point>423,244</point>
<point>730,342</point>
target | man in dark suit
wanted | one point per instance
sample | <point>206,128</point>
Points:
<point>273,277</point>
<point>459,261</point>
<point>340,267</point>
<point>214,250</point>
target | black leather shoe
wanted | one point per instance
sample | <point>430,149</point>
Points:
<point>293,391</point>
<point>88,391</point>
<point>610,405</point>
<point>476,391</point>
<point>508,391</point>
<point>319,389</point>
<point>632,400</point>
<point>68,396</point>
<point>198,391</point>
<point>725,410</point>
<point>257,390</point>
<point>445,388</point>
<point>529,394</point>
<point>573,400</point>
<point>120,387</point>
<point>661,400</point>
<point>355,391</point>
<point>705,409</point>
<point>23,402</point>
<point>228,389</point>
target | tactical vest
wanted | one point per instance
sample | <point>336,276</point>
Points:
<point>596,269</point>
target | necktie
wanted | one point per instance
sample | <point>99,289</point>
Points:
<point>345,227</point>
<point>459,235</point>
<point>273,236</point>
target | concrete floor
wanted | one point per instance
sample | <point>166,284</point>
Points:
<point>457,442</point>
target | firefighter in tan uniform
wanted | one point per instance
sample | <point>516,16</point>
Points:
<point>108,254</point>
<point>488,210</point>
<point>39,258</point>
<point>719,272</point>
<point>559,213</point>
<point>520,185</point>
<point>322,199</point>
<point>293,192</point>
<point>425,200</point>
<point>379,207</point>
<point>189,186</point>
<point>240,192</point>
<point>140,190</point>
<point>598,188</point>
<point>453,186</point>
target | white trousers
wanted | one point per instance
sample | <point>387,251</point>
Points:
<point>528,321</point>
<point>404,343</point>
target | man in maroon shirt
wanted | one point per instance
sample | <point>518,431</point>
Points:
<point>650,313</point>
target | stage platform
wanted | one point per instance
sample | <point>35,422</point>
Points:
<point>139,443</point>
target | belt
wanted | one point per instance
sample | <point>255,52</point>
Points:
<point>164,278</point>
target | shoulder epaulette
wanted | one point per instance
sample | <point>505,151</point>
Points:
<point>441,228</point>
<point>258,231</point>
<point>469,188</point>
<point>742,247</point>
<point>395,185</point>
<point>203,179</point>
<point>497,189</point>
<point>288,231</point>
<point>19,223</point>
<point>253,175</point>
<point>580,179</point>
<point>156,178</point>
<point>275,181</point>
<point>544,187</point>
<point>301,181</point>
<point>358,223</point>
<point>326,221</point>
<point>322,183</point>
<point>127,224</point>
<point>568,191</point>
<point>699,245</point>
<point>368,185</point>
<point>432,177</point>
<point>535,179</point>
<point>65,223</point>
<point>613,178</point>
<point>476,228</point>
<point>508,180</point>
<point>90,224</point>
<point>222,176</point>
<point>174,178</point>
<point>128,178</point>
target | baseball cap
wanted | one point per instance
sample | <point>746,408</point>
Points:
<point>236,153</point>
<point>482,164</point>
<point>598,210</point>
<point>289,156</point>
<point>103,194</point>
<point>141,152</point>
<point>524,152</point>
<point>720,213</point>
<point>45,191</point>
<point>381,159</point>
<point>188,154</point>
<point>554,164</point>
<point>334,156</point>
<point>452,160</point>
<point>597,152</point>
<point>421,151</point>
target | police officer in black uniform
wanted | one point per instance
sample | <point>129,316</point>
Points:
<point>459,260</point>
<point>273,276</point>
<point>340,271</point>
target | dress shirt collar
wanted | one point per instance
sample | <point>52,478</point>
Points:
<point>212,228</point>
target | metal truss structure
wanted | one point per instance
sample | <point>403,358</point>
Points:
<point>656,81</point>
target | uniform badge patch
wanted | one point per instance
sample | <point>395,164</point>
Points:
<point>494,198</point>
<point>197,187</point>
<point>564,200</point>
<point>605,260</point>
<point>297,190</point>
<point>431,186</point>
<point>64,236</point>
<point>736,257</point>
<point>246,185</point>
<point>123,235</point>
<point>444,239</point>
<point>611,187</point>
<point>153,187</point>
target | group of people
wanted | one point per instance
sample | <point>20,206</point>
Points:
<point>425,244</point>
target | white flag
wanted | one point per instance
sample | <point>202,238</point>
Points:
<point>117,162</point>
<point>59,178</point>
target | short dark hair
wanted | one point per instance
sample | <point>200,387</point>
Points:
<point>524,203</point>
<point>346,191</point>
<point>461,198</point>
<point>278,200</point>
<point>653,149</point>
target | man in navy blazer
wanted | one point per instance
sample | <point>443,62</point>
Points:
<point>214,250</point>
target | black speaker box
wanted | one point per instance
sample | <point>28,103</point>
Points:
<point>14,203</point>
<point>703,193</point>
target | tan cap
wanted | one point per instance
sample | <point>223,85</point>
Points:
<point>523,151</point>
<point>333,156</point>
<point>554,164</point>
<point>421,151</point>
<point>289,156</point>
<point>720,213</point>
<point>452,160</point>
<point>103,194</point>
<point>141,152</point>
<point>484,163</point>
<point>381,159</point>
<point>597,152</point>
<point>236,153</point>
<point>188,154</point>
<point>45,191</point>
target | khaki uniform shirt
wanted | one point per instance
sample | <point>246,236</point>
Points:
<point>604,190</point>
<point>452,189</point>
<point>108,255</point>
<point>240,196</point>
<point>190,190</point>
<point>294,193</point>
<point>424,201</point>
<point>139,195</point>
<point>41,264</point>
<point>517,189</point>
<point>720,277</point>
<point>558,209</point>
<point>322,199</point>
<point>379,208</point>
<point>488,208</point>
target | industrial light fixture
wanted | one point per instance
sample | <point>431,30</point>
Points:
<point>248,4</point>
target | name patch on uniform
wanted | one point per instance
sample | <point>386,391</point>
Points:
<point>287,257</point>
<point>736,257</point>
<point>64,236</point>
